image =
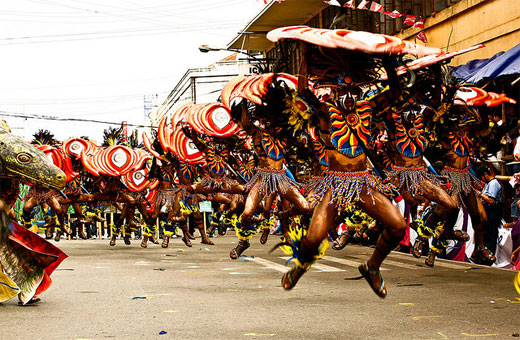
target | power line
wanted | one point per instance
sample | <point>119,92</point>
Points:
<point>78,100</point>
<point>71,119</point>
<point>91,84</point>
<point>107,35</point>
<point>180,9</point>
<point>120,12</point>
<point>51,118</point>
<point>208,25</point>
<point>52,3</point>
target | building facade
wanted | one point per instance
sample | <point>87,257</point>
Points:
<point>450,25</point>
<point>202,85</point>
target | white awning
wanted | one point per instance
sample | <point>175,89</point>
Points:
<point>274,15</point>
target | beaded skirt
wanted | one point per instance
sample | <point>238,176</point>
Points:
<point>462,181</point>
<point>410,178</point>
<point>346,187</point>
<point>272,181</point>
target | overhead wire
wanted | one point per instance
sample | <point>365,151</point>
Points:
<point>78,100</point>
<point>187,7</point>
<point>106,35</point>
<point>51,118</point>
<point>70,117</point>
<point>121,12</point>
<point>101,37</point>
<point>99,11</point>
<point>97,84</point>
<point>162,28</point>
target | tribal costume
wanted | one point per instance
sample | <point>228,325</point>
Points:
<point>346,188</point>
<point>166,197</point>
<point>271,181</point>
<point>458,148</point>
<point>409,143</point>
<point>346,132</point>
<point>246,168</point>
<point>216,179</point>
<point>312,184</point>
<point>217,184</point>
<point>415,182</point>
<point>333,62</point>
<point>410,178</point>
<point>26,259</point>
<point>41,195</point>
<point>320,162</point>
<point>462,181</point>
<point>341,189</point>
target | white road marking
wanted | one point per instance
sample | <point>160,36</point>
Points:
<point>449,265</point>
<point>319,266</point>
<point>325,268</point>
<point>269,264</point>
<point>401,265</point>
<point>441,262</point>
<point>345,262</point>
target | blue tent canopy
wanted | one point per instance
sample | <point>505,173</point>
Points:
<point>502,63</point>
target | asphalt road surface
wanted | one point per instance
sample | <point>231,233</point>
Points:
<point>126,292</point>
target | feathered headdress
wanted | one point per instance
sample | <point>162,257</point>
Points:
<point>112,136</point>
<point>44,137</point>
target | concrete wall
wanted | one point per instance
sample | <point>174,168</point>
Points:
<point>495,23</point>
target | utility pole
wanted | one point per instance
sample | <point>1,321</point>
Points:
<point>150,105</point>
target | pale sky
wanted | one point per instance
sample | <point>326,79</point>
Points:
<point>97,59</point>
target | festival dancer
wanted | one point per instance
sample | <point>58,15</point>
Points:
<point>165,199</point>
<point>347,182</point>
<point>415,182</point>
<point>459,114</point>
<point>181,209</point>
<point>104,168</point>
<point>214,181</point>
<point>241,161</point>
<point>47,198</point>
<point>246,164</point>
<point>174,165</point>
<point>68,158</point>
<point>344,125</point>
<point>198,121</point>
<point>270,178</point>
<point>456,144</point>
<point>170,197</point>
<point>26,260</point>
<point>319,162</point>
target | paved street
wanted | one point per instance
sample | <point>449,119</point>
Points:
<point>125,292</point>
